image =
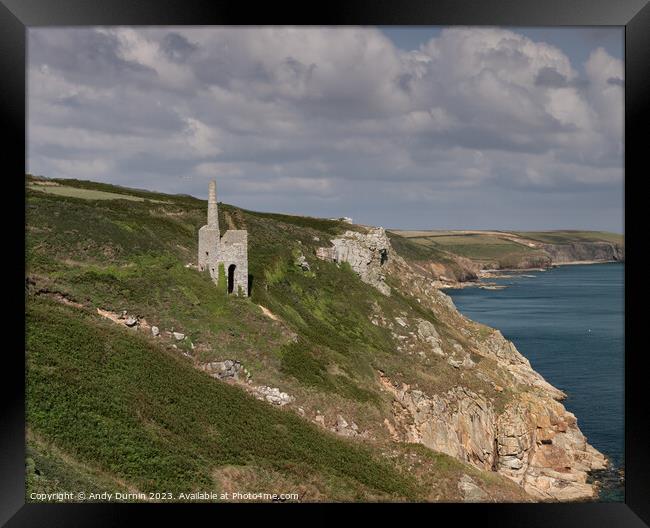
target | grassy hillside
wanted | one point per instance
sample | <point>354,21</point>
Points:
<point>112,406</point>
<point>150,419</point>
<point>567,237</point>
<point>499,249</point>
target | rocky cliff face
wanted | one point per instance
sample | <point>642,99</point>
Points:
<point>519,428</point>
<point>535,441</point>
<point>365,252</point>
<point>585,251</point>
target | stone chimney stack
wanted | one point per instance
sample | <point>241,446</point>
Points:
<point>213,213</point>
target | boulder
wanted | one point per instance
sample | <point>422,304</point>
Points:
<point>131,321</point>
<point>343,428</point>
<point>178,336</point>
<point>155,331</point>
<point>273,395</point>
<point>470,490</point>
<point>226,369</point>
<point>302,263</point>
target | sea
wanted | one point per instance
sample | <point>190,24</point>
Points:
<point>569,322</point>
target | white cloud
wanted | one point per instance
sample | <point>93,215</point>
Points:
<point>318,110</point>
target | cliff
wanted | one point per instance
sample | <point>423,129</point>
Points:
<point>585,252</point>
<point>460,256</point>
<point>346,375</point>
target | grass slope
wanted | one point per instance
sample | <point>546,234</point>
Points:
<point>106,404</point>
<point>148,417</point>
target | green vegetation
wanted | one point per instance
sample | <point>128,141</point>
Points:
<point>86,194</point>
<point>107,404</point>
<point>121,404</point>
<point>477,247</point>
<point>568,236</point>
<point>498,249</point>
<point>112,400</point>
<point>222,283</point>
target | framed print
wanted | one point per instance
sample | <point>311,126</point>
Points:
<point>353,254</point>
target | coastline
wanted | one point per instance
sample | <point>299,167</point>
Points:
<point>506,272</point>
<point>585,262</point>
<point>608,480</point>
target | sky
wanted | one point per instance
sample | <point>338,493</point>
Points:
<point>403,127</point>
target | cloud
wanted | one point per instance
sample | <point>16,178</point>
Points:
<point>316,112</point>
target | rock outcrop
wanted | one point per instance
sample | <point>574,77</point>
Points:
<point>541,448</point>
<point>585,251</point>
<point>459,423</point>
<point>470,490</point>
<point>273,395</point>
<point>521,430</point>
<point>226,369</point>
<point>367,253</point>
<point>535,442</point>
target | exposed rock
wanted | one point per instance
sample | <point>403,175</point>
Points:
<point>535,441</point>
<point>459,423</point>
<point>131,321</point>
<point>470,490</point>
<point>302,263</point>
<point>454,362</point>
<point>122,314</point>
<point>585,252</point>
<point>178,336</point>
<point>343,428</point>
<point>505,352</point>
<point>273,395</point>
<point>226,369</point>
<point>367,253</point>
<point>155,331</point>
<point>468,362</point>
<point>541,448</point>
<point>427,332</point>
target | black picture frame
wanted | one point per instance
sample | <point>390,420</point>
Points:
<point>17,15</point>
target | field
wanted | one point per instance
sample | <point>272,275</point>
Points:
<point>86,194</point>
<point>502,249</point>
<point>563,237</point>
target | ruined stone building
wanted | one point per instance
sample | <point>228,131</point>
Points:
<point>231,249</point>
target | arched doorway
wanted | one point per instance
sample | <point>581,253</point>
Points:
<point>231,278</point>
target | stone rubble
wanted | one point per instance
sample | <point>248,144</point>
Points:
<point>273,395</point>
<point>343,428</point>
<point>226,369</point>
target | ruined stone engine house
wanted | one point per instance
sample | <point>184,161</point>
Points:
<point>230,250</point>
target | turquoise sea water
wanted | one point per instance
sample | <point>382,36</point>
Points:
<point>569,322</point>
